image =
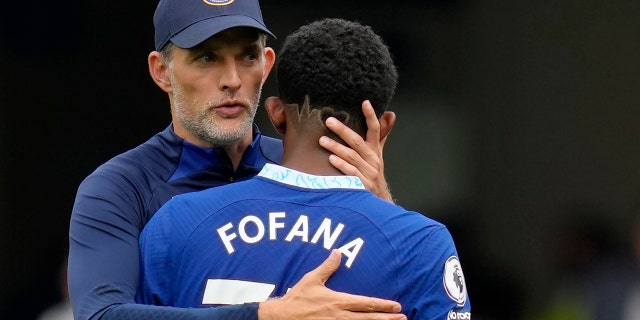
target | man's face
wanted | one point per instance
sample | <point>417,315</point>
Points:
<point>216,87</point>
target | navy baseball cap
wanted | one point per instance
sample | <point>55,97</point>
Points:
<point>189,22</point>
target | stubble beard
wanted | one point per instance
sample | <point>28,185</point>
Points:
<point>202,123</point>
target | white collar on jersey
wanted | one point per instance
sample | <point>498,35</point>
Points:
<point>303,180</point>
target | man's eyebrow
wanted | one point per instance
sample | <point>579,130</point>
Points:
<point>245,44</point>
<point>253,45</point>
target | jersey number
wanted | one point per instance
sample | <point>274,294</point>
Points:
<point>223,291</point>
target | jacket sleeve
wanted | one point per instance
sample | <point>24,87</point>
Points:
<point>103,269</point>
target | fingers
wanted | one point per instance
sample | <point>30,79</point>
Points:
<point>358,158</point>
<point>345,166</point>
<point>361,152</point>
<point>357,303</point>
<point>375,316</point>
<point>373,125</point>
<point>353,139</point>
<point>361,307</point>
<point>362,158</point>
<point>322,273</point>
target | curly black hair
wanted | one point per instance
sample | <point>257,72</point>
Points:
<point>337,64</point>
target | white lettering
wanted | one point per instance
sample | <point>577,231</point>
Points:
<point>300,229</point>
<point>251,229</point>
<point>226,238</point>
<point>351,250</point>
<point>273,225</point>
<point>459,315</point>
<point>243,231</point>
<point>325,230</point>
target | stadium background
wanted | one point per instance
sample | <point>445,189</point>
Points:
<point>516,119</point>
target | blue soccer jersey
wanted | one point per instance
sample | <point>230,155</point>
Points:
<point>115,202</point>
<point>255,239</point>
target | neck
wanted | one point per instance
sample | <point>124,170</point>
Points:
<point>309,158</point>
<point>235,151</point>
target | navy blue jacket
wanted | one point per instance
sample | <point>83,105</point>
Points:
<point>114,203</point>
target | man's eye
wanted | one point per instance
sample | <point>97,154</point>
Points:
<point>206,58</point>
<point>251,56</point>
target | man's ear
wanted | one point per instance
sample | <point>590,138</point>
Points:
<point>387,121</point>
<point>159,71</point>
<point>277,115</point>
<point>270,60</point>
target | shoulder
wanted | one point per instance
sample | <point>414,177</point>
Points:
<point>184,213</point>
<point>401,226</point>
<point>430,230</point>
<point>389,214</point>
<point>214,197</point>
<point>157,156</point>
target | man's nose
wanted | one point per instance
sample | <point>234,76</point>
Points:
<point>230,79</point>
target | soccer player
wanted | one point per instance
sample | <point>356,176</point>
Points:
<point>255,239</point>
<point>211,59</point>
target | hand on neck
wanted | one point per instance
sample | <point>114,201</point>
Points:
<point>308,158</point>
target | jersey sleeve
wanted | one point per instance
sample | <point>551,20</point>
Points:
<point>439,291</point>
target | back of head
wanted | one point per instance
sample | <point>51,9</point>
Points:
<point>337,64</point>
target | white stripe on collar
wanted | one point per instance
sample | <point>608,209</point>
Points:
<point>303,180</point>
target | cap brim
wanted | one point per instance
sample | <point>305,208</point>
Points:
<point>202,30</point>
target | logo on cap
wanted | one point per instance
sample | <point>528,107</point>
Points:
<point>454,282</point>
<point>218,2</point>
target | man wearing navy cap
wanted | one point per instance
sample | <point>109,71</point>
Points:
<point>211,59</point>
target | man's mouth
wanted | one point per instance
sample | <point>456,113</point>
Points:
<point>230,109</point>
